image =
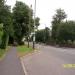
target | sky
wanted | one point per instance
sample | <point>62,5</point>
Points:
<point>45,9</point>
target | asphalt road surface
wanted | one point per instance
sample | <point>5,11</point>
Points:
<point>11,65</point>
<point>50,61</point>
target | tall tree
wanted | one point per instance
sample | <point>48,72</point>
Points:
<point>5,19</point>
<point>21,19</point>
<point>57,19</point>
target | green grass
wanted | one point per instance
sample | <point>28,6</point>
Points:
<point>23,50</point>
<point>3,52</point>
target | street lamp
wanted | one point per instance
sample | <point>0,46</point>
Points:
<point>34,25</point>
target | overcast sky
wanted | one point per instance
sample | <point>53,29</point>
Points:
<point>46,9</point>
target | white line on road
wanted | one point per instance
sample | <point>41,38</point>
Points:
<point>24,69</point>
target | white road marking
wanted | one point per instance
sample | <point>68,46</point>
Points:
<point>24,69</point>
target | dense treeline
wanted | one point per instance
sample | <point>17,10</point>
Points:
<point>62,32</point>
<point>15,25</point>
<point>43,35</point>
<point>19,24</point>
<point>5,20</point>
<point>66,32</point>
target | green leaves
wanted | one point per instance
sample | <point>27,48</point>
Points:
<point>66,31</point>
<point>5,19</point>
<point>22,16</point>
<point>43,35</point>
<point>57,19</point>
<point>37,19</point>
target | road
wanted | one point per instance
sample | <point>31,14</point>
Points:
<point>49,61</point>
<point>11,64</point>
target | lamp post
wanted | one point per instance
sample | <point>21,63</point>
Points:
<point>34,25</point>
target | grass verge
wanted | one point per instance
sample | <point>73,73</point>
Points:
<point>23,50</point>
<point>3,52</point>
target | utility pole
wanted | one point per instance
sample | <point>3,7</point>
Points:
<point>34,25</point>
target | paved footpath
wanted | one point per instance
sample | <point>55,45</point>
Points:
<point>11,65</point>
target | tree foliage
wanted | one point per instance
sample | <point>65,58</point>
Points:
<point>66,31</point>
<point>21,17</point>
<point>43,35</point>
<point>37,23</point>
<point>5,19</point>
<point>1,32</point>
<point>57,19</point>
<point>60,15</point>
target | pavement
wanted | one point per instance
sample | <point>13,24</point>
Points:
<point>11,64</point>
<point>50,61</point>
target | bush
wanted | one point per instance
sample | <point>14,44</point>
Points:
<point>4,43</point>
